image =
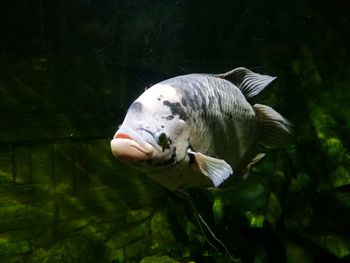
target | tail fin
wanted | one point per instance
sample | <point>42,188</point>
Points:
<point>275,131</point>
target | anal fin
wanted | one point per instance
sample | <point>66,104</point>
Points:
<point>255,159</point>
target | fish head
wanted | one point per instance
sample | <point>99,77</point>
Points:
<point>151,136</point>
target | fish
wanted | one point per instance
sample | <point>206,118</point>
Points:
<point>200,130</point>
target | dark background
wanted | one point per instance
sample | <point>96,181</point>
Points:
<point>69,70</point>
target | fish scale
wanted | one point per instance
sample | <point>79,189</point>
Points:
<point>227,111</point>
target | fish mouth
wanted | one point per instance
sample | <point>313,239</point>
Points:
<point>129,146</point>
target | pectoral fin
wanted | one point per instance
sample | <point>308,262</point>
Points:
<point>216,169</point>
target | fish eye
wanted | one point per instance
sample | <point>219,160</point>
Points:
<point>161,138</point>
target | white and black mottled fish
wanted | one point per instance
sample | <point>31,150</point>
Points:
<point>198,130</point>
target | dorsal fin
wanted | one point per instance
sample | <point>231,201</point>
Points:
<point>249,82</point>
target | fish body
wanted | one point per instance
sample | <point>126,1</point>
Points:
<point>198,130</point>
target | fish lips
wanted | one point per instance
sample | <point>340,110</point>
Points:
<point>127,145</point>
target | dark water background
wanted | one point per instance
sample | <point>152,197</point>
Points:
<point>69,70</point>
